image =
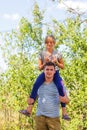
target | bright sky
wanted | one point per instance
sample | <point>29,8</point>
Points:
<point>11,11</point>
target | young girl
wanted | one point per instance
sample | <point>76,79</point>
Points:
<point>49,54</point>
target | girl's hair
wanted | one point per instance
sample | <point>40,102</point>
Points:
<point>54,40</point>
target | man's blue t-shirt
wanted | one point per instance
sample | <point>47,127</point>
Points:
<point>48,100</point>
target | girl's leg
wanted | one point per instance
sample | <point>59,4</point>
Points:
<point>39,81</point>
<point>63,105</point>
<point>64,114</point>
<point>60,87</point>
<point>58,82</point>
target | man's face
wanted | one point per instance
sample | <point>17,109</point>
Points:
<point>49,72</point>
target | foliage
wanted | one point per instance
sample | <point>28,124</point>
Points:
<point>74,37</point>
<point>20,51</point>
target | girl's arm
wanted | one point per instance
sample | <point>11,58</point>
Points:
<point>60,63</point>
<point>40,64</point>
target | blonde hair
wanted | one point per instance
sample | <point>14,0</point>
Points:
<point>54,40</point>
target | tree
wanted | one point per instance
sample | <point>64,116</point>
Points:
<point>21,50</point>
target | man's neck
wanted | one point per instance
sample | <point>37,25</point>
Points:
<point>48,80</point>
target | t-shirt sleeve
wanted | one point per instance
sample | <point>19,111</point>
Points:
<point>59,56</point>
<point>40,56</point>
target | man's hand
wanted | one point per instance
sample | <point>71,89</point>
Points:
<point>64,99</point>
<point>30,101</point>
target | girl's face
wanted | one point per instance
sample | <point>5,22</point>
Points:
<point>50,43</point>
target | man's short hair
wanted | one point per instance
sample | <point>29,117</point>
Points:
<point>49,64</point>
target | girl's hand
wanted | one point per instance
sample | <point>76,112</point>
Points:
<point>54,59</point>
<point>46,59</point>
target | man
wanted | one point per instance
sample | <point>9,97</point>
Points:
<point>47,115</point>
